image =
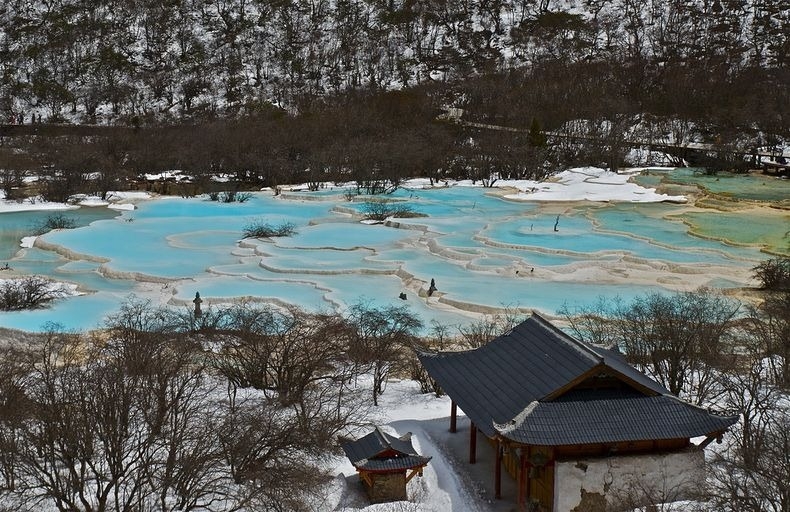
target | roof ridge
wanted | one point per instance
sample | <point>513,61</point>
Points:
<point>438,353</point>
<point>518,419</point>
<point>699,407</point>
<point>382,436</point>
<point>598,358</point>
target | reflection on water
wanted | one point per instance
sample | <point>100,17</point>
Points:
<point>485,253</point>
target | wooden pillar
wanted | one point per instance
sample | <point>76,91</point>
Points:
<point>453,417</point>
<point>498,471</point>
<point>472,443</point>
<point>522,478</point>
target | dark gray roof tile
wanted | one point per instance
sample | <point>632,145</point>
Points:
<point>366,452</point>
<point>592,417</point>
<point>393,464</point>
<point>513,377</point>
<point>496,381</point>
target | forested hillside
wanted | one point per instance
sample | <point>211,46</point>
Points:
<point>295,91</point>
<point>110,60</point>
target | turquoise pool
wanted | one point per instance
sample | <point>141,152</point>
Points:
<point>484,252</point>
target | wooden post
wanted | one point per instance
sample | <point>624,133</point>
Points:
<point>472,443</point>
<point>522,478</point>
<point>498,471</point>
<point>453,417</point>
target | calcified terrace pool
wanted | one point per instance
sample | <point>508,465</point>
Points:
<point>484,252</point>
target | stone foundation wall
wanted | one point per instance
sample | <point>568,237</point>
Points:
<point>590,484</point>
<point>387,487</point>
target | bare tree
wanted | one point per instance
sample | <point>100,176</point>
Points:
<point>281,351</point>
<point>132,419</point>
<point>752,474</point>
<point>679,339</point>
<point>380,335</point>
<point>480,332</point>
<point>769,322</point>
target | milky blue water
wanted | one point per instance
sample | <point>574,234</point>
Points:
<point>485,253</point>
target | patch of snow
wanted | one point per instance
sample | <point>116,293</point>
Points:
<point>32,203</point>
<point>587,184</point>
<point>121,206</point>
<point>86,200</point>
<point>128,195</point>
<point>174,175</point>
<point>27,242</point>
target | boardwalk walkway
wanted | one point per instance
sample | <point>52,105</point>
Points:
<point>769,160</point>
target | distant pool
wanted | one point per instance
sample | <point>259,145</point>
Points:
<point>752,186</point>
<point>484,253</point>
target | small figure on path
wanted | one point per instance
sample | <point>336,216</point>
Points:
<point>432,288</point>
<point>198,301</point>
<point>556,223</point>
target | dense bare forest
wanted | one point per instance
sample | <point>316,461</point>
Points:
<point>724,63</point>
<point>112,59</point>
<point>310,91</point>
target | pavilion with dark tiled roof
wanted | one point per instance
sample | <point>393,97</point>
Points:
<point>542,396</point>
<point>385,463</point>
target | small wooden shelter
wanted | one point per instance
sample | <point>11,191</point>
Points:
<point>567,419</point>
<point>385,464</point>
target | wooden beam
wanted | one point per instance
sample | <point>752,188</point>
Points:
<point>366,478</point>
<point>498,470</point>
<point>472,443</point>
<point>414,471</point>
<point>453,417</point>
<point>711,437</point>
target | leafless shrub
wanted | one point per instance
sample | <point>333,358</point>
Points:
<point>31,292</point>
<point>55,221</point>
<point>133,419</point>
<point>656,494</point>
<point>262,229</point>
<point>755,481</point>
<point>437,340</point>
<point>773,274</point>
<point>381,210</point>
<point>230,196</point>
<point>283,352</point>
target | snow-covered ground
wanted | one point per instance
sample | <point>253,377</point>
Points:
<point>449,482</point>
<point>115,200</point>
<point>579,184</point>
<point>589,184</point>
